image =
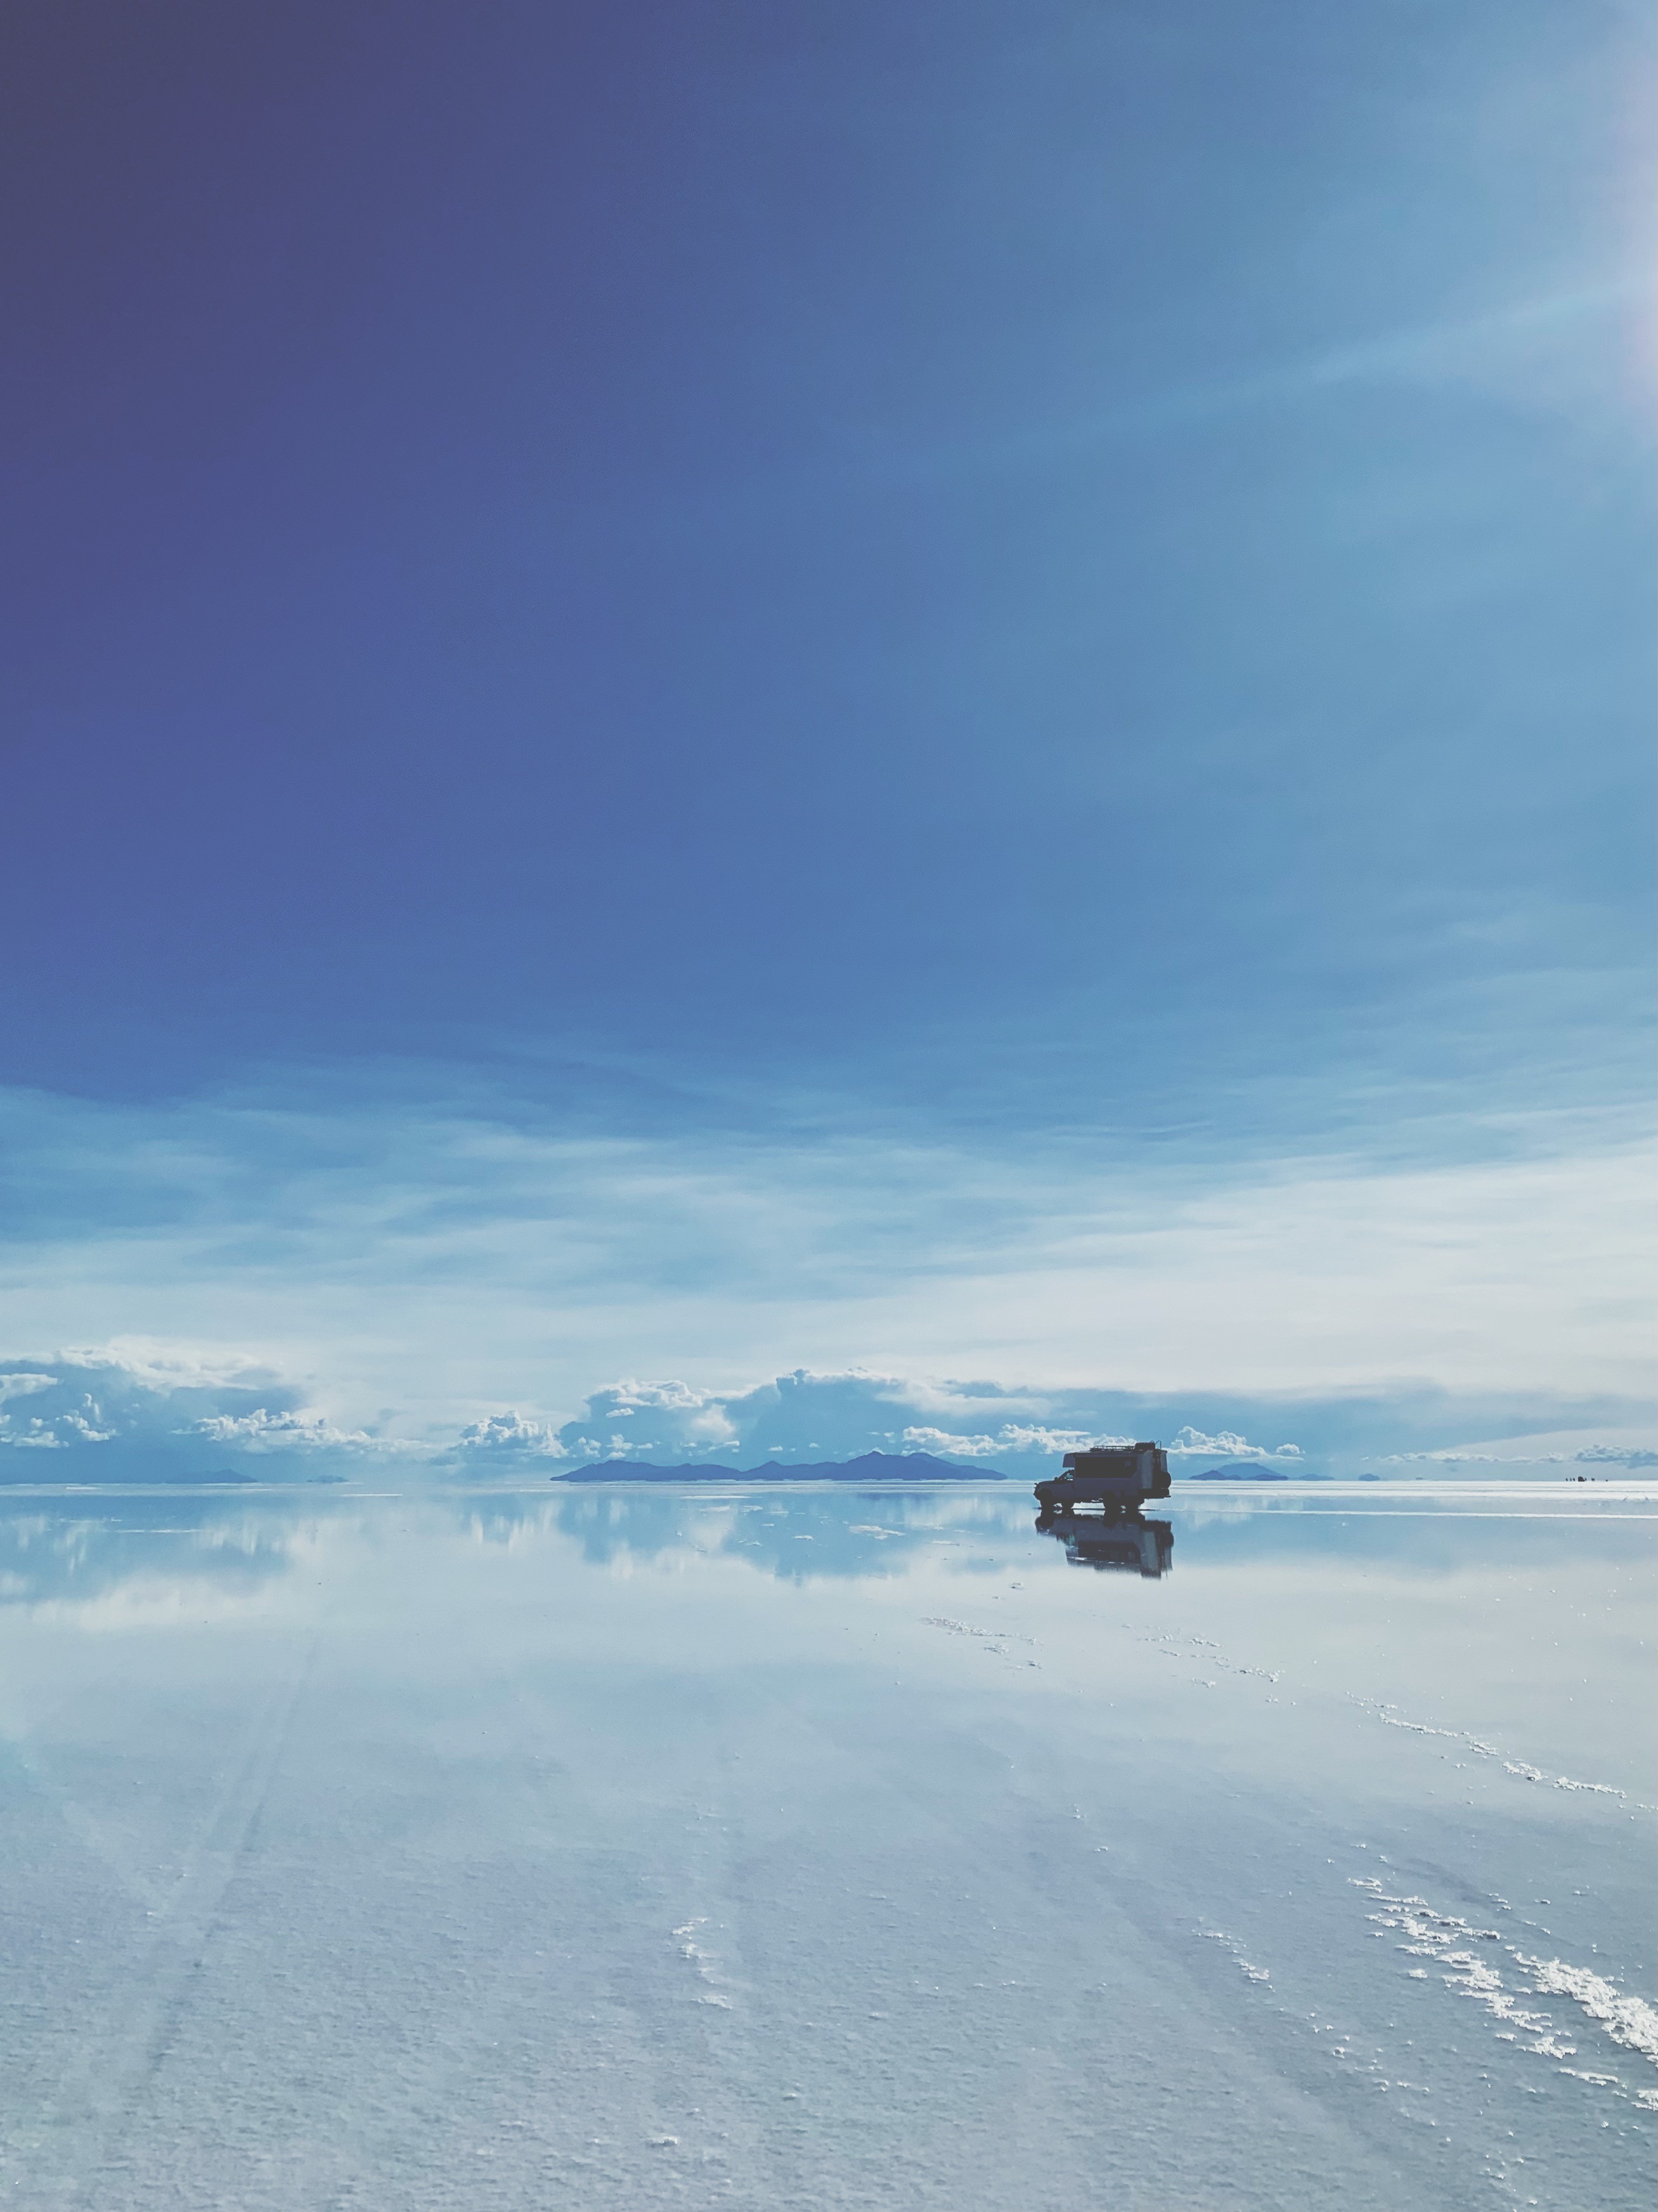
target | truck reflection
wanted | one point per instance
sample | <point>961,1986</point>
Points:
<point>1126,1542</point>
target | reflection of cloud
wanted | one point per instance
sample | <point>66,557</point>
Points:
<point>150,1601</point>
<point>142,1561</point>
<point>796,1536</point>
<point>143,1558</point>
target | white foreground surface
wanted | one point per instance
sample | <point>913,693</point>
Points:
<point>797,1848</point>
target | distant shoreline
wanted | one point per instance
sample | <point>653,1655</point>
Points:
<point>872,1466</point>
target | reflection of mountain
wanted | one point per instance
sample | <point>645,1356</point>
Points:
<point>235,1544</point>
<point>1126,1541</point>
<point>872,1466</point>
<point>791,1536</point>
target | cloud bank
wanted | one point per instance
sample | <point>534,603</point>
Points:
<point>449,1265</point>
<point>496,1286</point>
<point>135,1415</point>
<point>150,1413</point>
<point>806,1416</point>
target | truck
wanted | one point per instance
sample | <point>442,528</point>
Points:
<point>1120,1477</point>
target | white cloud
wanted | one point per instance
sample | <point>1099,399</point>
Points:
<point>1631,1447</point>
<point>425,1269</point>
<point>1548,1449</point>
<point>504,1434</point>
<point>104,1417</point>
<point>1010,1440</point>
<point>1192,1443</point>
<point>23,1385</point>
<point>803,1416</point>
<point>662,1420</point>
<point>92,1416</point>
<point>263,1430</point>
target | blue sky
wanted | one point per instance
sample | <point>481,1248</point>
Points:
<point>927,693</point>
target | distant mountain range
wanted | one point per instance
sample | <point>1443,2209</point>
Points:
<point>873,1466</point>
<point>1247,1470</point>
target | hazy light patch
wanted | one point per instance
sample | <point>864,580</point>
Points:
<point>1568,349</point>
<point>142,1603</point>
<point>1587,1448</point>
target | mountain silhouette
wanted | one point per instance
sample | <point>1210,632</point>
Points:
<point>872,1467</point>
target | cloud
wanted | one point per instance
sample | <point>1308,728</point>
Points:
<point>110,1416</point>
<point>466,1282</point>
<point>431,1268</point>
<point>23,1383</point>
<point>152,1412</point>
<point>638,1421</point>
<point>1192,1443</point>
<point>504,1436</point>
<point>263,1430</point>
<point>1011,1440</point>
<point>809,1416</point>
<point>1634,1457</point>
<point>806,1416</point>
<point>1626,1447</point>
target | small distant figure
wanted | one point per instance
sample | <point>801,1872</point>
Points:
<point>1122,1478</point>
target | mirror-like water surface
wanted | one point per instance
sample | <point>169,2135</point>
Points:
<point>610,1847</point>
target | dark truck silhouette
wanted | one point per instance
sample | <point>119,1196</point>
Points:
<point>1126,1542</point>
<point>1122,1479</point>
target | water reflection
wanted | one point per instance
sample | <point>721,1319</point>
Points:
<point>77,1549</point>
<point>1126,1542</point>
<point>73,1550</point>
<point>793,1536</point>
<point>241,1546</point>
<point>601,1850</point>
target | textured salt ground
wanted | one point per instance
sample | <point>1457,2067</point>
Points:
<point>489,1861</point>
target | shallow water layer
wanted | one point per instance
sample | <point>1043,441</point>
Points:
<point>627,1849</point>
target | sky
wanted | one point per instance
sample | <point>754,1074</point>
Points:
<point>955,701</point>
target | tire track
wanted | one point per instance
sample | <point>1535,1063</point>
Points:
<point>120,2055</point>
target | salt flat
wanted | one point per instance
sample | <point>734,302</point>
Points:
<point>805,1849</point>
